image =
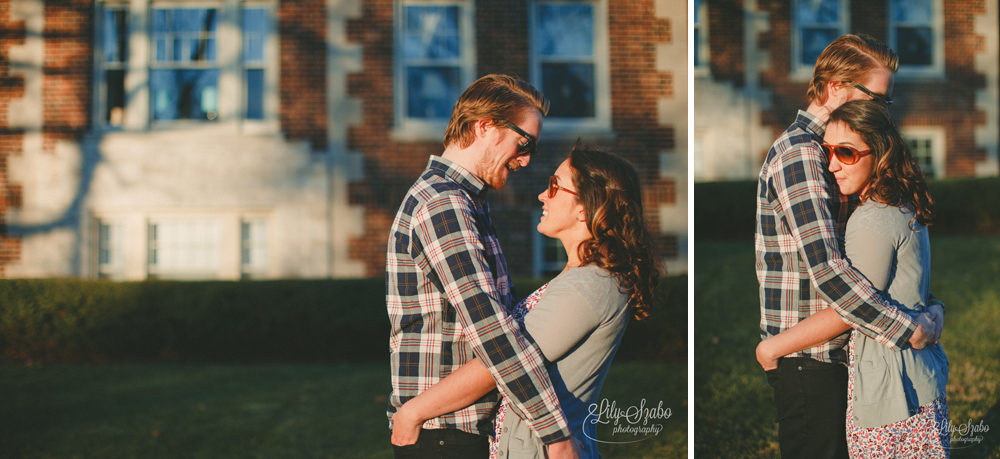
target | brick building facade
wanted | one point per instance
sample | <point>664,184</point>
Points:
<point>271,139</point>
<point>755,58</point>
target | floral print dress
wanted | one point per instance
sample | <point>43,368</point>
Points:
<point>924,435</point>
<point>517,314</point>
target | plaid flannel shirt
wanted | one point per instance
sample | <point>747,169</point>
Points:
<point>447,294</point>
<point>801,217</point>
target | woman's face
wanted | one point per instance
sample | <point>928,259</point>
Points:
<point>851,178</point>
<point>562,213</point>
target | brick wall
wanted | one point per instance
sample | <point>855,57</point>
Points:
<point>11,140</point>
<point>69,31</point>
<point>302,29</point>
<point>390,167</point>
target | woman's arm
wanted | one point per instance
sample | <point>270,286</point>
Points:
<point>811,331</point>
<point>456,391</point>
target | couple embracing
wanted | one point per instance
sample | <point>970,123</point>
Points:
<point>849,327</point>
<point>475,374</point>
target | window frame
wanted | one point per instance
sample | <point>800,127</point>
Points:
<point>800,71</point>
<point>935,70</point>
<point>600,123</point>
<point>232,89</point>
<point>938,137</point>
<point>406,128</point>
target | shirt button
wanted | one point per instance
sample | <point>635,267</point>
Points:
<point>800,368</point>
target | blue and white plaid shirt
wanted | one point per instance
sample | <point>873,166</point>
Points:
<point>447,292</point>
<point>801,217</point>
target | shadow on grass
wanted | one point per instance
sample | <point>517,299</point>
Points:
<point>211,411</point>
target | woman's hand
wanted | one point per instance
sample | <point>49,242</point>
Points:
<point>765,355</point>
<point>405,426</point>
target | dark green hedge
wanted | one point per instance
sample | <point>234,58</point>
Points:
<point>725,210</point>
<point>62,320</point>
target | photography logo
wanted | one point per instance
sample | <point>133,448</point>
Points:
<point>965,434</point>
<point>630,424</point>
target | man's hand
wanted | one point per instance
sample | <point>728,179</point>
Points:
<point>924,333</point>
<point>566,449</point>
<point>405,427</point>
<point>765,356</point>
<point>936,313</point>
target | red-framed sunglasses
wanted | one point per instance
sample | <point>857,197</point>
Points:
<point>846,155</point>
<point>554,188</point>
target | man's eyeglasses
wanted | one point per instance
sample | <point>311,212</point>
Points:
<point>530,143</point>
<point>885,100</point>
<point>846,155</point>
<point>554,188</point>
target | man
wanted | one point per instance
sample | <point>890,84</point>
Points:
<point>801,217</point>
<point>447,284</point>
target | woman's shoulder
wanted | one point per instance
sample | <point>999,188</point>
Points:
<point>882,217</point>
<point>589,284</point>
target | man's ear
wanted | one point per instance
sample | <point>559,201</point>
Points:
<point>834,89</point>
<point>483,126</point>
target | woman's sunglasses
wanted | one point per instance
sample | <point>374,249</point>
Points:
<point>846,155</point>
<point>554,188</point>
<point>529,145</point>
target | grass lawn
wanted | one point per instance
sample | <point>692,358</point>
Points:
<point>268,411</point>
<point>734,410</point>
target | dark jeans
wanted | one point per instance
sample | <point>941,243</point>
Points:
<point>445,444</point>
<point>811,397</point>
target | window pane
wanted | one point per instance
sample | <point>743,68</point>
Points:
<point>814,41</point>
<point>914,45</point>
<point>255,94</point>
<point>253,248</point>
<point>185,248</point>
<point>912,11</point>
<point>115,45</point>
<point>432,91</point>
<point>570,89</point>
<point>809,12</point>
<point>255,26</point>
<point>182,35</point>
<point>115,94</point>
<point>432,33</point>
<point>697,10</point>
<point>565,30</point>
<point>184,94</point>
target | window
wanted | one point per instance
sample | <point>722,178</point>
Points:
<point>700,31</point>
<point>256,25</point>
<point>253,249</point>
<point>184,79</point>
<point>816,24</point>
<point>435,63</point>
<point>915,32</point>
<point>114,58</point>
<point>110,250</point>
<point>206,62</point>
<point>569,63</point>
<point>185,249</point>
<point>927,145</point>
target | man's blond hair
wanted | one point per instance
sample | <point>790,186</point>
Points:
<point>492,97</point>
<point>850,58</point>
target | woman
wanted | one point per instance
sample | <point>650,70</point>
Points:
<point>593,205</point>
<point>896,400</point>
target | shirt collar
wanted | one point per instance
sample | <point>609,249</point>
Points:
<point>810,123</point>
<point>458,174</point>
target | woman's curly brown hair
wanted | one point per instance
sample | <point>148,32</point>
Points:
<point>609,191</point>
<point>896,178</point>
